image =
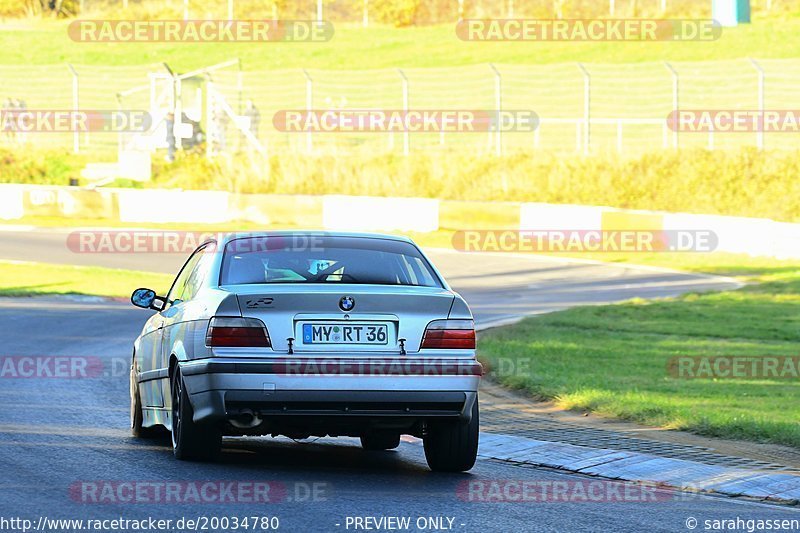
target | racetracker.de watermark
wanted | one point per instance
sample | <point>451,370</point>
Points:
<point>562,491</point>
<point>734,367</point>
<point>66,121</point>
<point>183,242</point>
<point>734,121</point>
<point>397,120</point>
<point>200,31</point>
<point>636,30</point>
<point>61,367</point>
<point>113,492</point>
<point>377,367</point>
<point>585,241</point>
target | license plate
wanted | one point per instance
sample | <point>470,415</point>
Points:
<point>345,334</point>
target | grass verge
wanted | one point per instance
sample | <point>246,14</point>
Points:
<point>613,359</point>
<point>743,183</point>
<point>32,279</point>
<point>45,42</point>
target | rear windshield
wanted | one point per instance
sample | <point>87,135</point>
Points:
<point>325,259</point>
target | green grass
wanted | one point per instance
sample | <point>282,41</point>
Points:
<point>31,279</point>
<point>353,47</point>
<point>613,359</point>
<point>36,166</point>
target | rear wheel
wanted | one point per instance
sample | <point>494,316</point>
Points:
<point>190,440</point>
<point>453,446</point>
<point>380,440</point>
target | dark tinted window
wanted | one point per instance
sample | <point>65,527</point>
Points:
<point>316,259</point>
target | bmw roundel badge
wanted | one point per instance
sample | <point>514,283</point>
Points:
<point>347,303</point>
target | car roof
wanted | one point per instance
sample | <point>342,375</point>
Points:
<point>227,237</point>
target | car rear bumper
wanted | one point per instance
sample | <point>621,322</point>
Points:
<point>342,389</point>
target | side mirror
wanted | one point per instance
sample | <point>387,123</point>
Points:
<point>147,299</point>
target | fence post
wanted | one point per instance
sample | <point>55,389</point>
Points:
<point>612,8</point>
<point>179,111</point>
<point>309,108</point>
<point>210,96</point>
<point>406,133</point>
<point>511,9</point>
<point>663,6</point>
<point>76,139</point>
<point>498,106</point>
<point>120,142</point>
<point>185,9</point>
<point>319,10</point>
<point>153,93</point>
<point>587,109</point>
<point>365,17</point>
<point>239,85</point>
<point>172,93</point>
<point>230,9</point>
<point>675,104</point>
<point>173,104</point>
<point>460,10</point>
<point>761,102</point>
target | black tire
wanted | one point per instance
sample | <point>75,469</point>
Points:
<point>453,447</point>
<point>380,440</point>
<point>137,417</point>
<point>190,441</point>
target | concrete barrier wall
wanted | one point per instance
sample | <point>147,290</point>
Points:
<point>560,217</point>
<point>164,206</point>
<point>753,236</point>
<point>11,202</point>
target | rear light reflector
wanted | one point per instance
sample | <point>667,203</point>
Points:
<point>450,334</point>
<point>237,332</point>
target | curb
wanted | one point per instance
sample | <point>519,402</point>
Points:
<point>645,468</point>
<point>640,468</point>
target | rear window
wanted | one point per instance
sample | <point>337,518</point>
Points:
<point>325,259</point>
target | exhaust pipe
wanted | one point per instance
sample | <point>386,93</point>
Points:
<point>246,419</point>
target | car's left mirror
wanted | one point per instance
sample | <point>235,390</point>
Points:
<point>147,299</point>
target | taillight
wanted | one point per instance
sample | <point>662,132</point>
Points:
<point>458,334</point>
<point>238,332</point>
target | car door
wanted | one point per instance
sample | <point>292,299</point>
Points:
<point>151,359</point>
<point>180,297</point>
<point>146,360</point>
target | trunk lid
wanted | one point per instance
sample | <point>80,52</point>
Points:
<point>310,314</point>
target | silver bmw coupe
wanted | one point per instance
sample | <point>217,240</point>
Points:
<point>308,334</point>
